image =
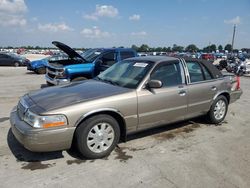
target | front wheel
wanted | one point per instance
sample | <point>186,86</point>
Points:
<point>97,136</point>
<point>41,70</point>
<point>78,79</point>
<point>218,110</point>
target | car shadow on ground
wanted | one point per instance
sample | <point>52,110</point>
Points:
<point>31,72</point>
<point>187,126</point>
<point>24,155</point>
<point>44,86</point>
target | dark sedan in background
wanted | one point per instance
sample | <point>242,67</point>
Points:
<point>11,59</point>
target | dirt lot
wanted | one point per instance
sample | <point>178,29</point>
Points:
<point>189,154</point>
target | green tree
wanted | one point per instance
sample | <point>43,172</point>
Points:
<point>159,49</point>
<point>191,48</point>
<point>143,48</point>
<point>213,48</point>
<point>135,47</point>
<point>177,48</point>
<point>220,48</point>
<point>228,47</point>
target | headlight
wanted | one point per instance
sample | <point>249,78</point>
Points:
<point>44,121</point>
<point>61,74</point>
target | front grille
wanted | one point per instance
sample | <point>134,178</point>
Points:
<point>51,75</point>
<point>21,110</point>
<point>51,69</point>
<point>53,72</point>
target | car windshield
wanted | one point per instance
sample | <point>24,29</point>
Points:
<point>91,54</point>
<point>126,73</point>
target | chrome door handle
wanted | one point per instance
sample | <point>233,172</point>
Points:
<point>182,93</point>
<point>213,88</point>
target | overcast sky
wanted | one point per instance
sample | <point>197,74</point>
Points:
<point>81,23</point>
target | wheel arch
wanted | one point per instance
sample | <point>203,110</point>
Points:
<point>108,111</point>
<point>223,93</point>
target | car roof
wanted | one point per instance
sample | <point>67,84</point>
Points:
<point>114,49</point>
<point>154,59</point>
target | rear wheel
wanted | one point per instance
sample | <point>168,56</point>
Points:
<point>16,64</point>
<point>97,136</point>
<point>41,70</point>
<point>218,110</point>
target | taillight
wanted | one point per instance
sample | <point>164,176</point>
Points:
<point>238,82</point>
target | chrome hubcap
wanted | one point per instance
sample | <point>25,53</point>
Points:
<point>220,109</point>
<point>100,137</point>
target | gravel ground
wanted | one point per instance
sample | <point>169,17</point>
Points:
<point>188,154</point>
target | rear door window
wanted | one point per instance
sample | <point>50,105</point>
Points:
<point>108,59</point>
<point>198,72</point>
<point>195,72</point>
<point>126,54</point>
<point>207,74</point>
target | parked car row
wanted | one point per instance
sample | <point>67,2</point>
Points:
<point>11,59</point>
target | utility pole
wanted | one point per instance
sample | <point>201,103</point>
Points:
<point>233,37</point>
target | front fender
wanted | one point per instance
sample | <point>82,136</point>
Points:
<point>80,69</point>
<point>86,115</point>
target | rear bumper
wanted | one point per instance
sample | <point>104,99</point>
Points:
<point>41,140</point>
<point>235,95</point>
<point>56,81</point>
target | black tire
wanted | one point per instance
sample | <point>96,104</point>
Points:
<point>78,79</point>
<point>211,114</point>
<point>41,70</point>
<point>87,127</point>
<point>16,64</point>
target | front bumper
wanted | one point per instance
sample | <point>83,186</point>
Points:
<point>29,67</point>
<point>41,140</point>
<point>57,81</point>
<point>235,95</point>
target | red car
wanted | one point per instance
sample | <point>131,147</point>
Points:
<point>208,57</point>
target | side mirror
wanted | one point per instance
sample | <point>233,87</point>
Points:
<point>154,84</point>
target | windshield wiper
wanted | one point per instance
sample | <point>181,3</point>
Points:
<point>106,80</point>
<point>110,82</point>
<point>97,78</point>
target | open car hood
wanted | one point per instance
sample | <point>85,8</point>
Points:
<point>69,51</point>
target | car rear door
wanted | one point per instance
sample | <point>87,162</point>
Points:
<point>202,87</point>
<point>166,104</point>
<point>106,61</point>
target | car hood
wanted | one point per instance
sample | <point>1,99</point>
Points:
<point>69,51</point>
<point>39,61</point>
<point>61,96</point>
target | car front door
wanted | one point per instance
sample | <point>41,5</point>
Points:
<point>201,89</point>
<point>5,60</point>
<point>166,104</point>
